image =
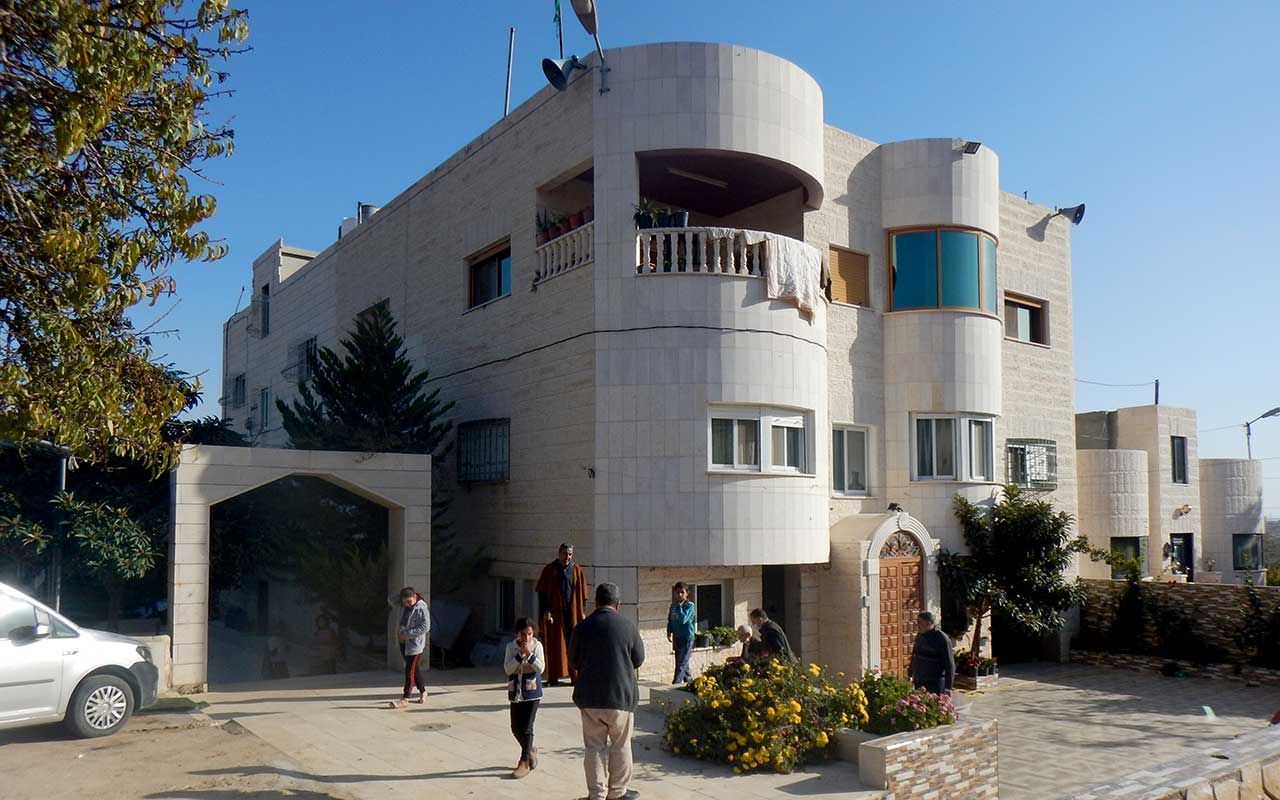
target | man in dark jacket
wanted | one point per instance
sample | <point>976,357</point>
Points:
<point>772,635</point>
<point>933,664</point>
<point>605,652</point>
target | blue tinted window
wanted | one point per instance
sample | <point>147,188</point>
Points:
<point>959,269</point>
<point>915,270</point>
<point>989,294</point>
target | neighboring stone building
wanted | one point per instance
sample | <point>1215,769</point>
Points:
<point>1144,492</point>
<point>642,395</point>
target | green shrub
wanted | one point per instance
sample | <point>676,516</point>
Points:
<point>1273,575</point>
<point>764,715</point>
<point>722,636</point>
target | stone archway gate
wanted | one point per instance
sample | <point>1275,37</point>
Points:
<point>207,475</point>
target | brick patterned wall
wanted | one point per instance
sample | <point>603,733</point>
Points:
<point>1214,607</point>
<point>951,761</point>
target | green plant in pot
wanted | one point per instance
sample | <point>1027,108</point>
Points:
<point>663,218</point>
<point>700,639</point>
<point>544,228</point>
<point>646,211</point>
<point>679,219</point>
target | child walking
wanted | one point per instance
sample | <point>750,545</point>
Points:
<point>524,663</point>
<point>682,624</point>
<point>415,621</point>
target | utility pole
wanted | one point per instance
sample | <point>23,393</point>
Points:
<point>1248,429</point>
<point>511,51</point>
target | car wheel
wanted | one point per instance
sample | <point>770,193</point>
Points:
<point>101,705</point>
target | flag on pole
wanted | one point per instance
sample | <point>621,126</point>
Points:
<point>559,29</point>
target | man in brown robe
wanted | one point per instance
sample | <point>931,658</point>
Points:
<point>562,597</point>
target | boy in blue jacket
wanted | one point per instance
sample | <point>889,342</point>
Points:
<point>682,624</point>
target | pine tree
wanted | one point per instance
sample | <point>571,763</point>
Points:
<point>368,400</point>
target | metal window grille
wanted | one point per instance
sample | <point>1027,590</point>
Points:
<point>484,451</point>
<point>1032,463</point>
<point>300,357</point>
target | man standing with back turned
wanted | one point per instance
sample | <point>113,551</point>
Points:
<point>605,652</point>
<point>933,665</point>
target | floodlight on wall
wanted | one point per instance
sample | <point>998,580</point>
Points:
<point>971,148</point>
<point>559,70</point>
<point>1074,213</point>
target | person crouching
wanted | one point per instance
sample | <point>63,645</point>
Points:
<point>524,663</point>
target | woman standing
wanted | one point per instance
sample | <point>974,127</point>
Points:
<point>524,664</point>
<point>415,621</point>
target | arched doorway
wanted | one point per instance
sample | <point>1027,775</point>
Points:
<point>902,597</point>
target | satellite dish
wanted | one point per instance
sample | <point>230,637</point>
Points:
<point>586,11</point>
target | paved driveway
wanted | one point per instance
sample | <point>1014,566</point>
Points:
<point>459,744</point>
<point>1066,727</point>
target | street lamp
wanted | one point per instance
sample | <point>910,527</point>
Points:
<point>1248,429</point>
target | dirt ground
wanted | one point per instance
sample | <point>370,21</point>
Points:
<point>166,758</point>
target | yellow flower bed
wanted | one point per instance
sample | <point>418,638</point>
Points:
<point>770,714</point>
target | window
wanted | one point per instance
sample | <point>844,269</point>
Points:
<point>1130,547</point>
<point>849,460</point>
<point>1246,551</point>
<point>942,268</point>
<point>484,451</point>
<point>935,448</point>
<point>709,599</point>
<point>759,438</point>
<point>14,613</point>
<point>1032,463</point>
<point>490,275</point>
<point>850,281</point>
<point>264,309</point>
<point>980,447</point>
<point>506,604</point>
<point>300,357</point>
<point>735,442</point>
<point>940,440</point>
<point>238,392</point>
<point>264,408</point>
<point>788,443</point>
<point>1178,445</point>
<point>1025,320</point>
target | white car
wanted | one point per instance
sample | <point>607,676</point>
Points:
<point>52,670</point>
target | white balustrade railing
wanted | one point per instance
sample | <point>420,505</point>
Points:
<point>720,250</point>
<point>565,252</point>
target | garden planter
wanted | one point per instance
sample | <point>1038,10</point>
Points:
<point>575,220</point>
<point>972,683</point>
<point>664,219</point>
<point>644,221</point>
<point>557,231</point>
<point>679,219</point>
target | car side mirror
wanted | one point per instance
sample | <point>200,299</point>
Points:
<point>30,633</point>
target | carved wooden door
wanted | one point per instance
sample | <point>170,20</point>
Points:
<point>901,599</point>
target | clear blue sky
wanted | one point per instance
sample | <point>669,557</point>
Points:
<point>1163,118</point>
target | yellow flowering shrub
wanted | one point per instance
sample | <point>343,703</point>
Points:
<point>773,715</point>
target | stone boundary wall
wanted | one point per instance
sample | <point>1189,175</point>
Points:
<point>957,760</point>
<point>1245,767</point>
<point>1220,672</point>
<point>1215,607</point>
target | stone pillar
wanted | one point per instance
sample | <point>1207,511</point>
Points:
<point>188,584</point>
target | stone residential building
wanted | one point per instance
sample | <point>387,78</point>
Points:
<point>682,402</point>
<point>1145,493</point>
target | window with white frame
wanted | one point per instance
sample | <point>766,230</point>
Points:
<point>788,443</point>
<point>980,450</point>
<point>953,448</point>
<point>1032,463</point>
<point>709,600</point>
<point>735,442</point>
<point>759,438</point>
<point>849,460</point>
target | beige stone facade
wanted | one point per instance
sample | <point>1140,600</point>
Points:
<point>610,360</point>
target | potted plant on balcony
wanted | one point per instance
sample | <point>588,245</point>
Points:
<point>575,220</point>
<point>679,219</point>
<point>558,226</point>
<point>662,218</point>
<point>646,210</point>
<point>588,214</point>
<point>544,228</point>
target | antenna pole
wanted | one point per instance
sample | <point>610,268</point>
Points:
<point>560,28</point>
<point>1157,391</point>
<point>511,51</point>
